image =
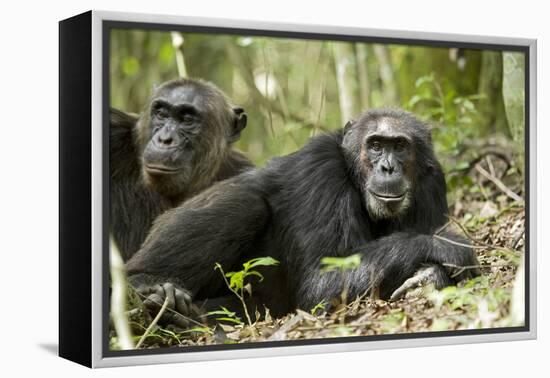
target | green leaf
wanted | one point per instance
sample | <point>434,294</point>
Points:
<point>461,166</point>
<point>223,311</point>
<point>319,306</point>
<point>254,273</point>
<point>232,320</point>
<point>236,279</point>
<point>260,261</point>
<point>330,264</point>
<point>414,100</point>
<point>469,105</point>
<point>423,80</point>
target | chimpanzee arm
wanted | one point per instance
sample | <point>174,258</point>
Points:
<point>217,226</point>
<point>133,205</point>
<point>386,263</point>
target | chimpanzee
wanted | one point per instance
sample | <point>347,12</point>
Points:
<point>373,188</point>
<point>181,144</point>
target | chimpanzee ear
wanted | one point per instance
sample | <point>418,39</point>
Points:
<point>239,123</point>
<point>349,124</point>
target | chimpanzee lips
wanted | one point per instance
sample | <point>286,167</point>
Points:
<point>388,197</point>
<point>161,169</point>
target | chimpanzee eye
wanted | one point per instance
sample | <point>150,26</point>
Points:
<point>376,146</point>
<point>161,113</point>
<point>187,118</point>
<point>400,146</point>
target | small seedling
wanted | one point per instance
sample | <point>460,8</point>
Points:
<point>341,264</point>
<point>319,306</point>
<point>237,283</point>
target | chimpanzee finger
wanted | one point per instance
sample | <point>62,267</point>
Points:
<point>406,286</point>
<point>145,290</point>
<point>422,277</point>
<point>178,320</point>
<point>153,303</point>
<point>183,302</point>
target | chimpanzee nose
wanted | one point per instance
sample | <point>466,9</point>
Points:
<point>165,139</point>
<point>387,167</point>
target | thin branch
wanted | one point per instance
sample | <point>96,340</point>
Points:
<point>461,269</point>
<point>153,323</point>
<point>118,299</point>
<point>173,311</point>
<point>483,152</point>
<point>499,184</point>
<point>331,326</point>
<point>480,242</point>
<point>458,243</point>
<point>442,228</point>
<point>280,334</point>
<point>177,44</point>
<point>478,266</point>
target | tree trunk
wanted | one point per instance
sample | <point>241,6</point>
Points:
<point>513,92</point>
<point>389,87</point>
<point>346,79</point>
<point>491,106</point>
<point>362,72</point>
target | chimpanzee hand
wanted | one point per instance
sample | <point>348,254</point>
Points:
<point>179,309</point>
<point>429,274</point>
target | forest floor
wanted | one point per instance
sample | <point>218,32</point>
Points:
<point>489,213</point>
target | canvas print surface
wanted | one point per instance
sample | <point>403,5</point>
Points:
<point>269,189</point>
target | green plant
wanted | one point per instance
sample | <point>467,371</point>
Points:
<point>330,264</point>
<point>453,117</point>
<point>319,306</point>
<point>341,264</point>
<point>237,283</point>
<point>226,315</point>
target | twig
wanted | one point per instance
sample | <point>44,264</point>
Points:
<point>477,241</point>
<point>337,325</point>
<point>458,243</point>
<point>490,165</point>
<point>499,184</point>
<point>442,228</point>
<point>153,323</point>
<point>177,44</point>
<point>118,299</point>
<point>191,320</point>
<point>478,266</point>
<point>280,334</point>
<point>465,267</point>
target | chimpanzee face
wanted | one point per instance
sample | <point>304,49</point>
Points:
<point>177,119</point>
<point>187,128</point>
<point>383,153</point>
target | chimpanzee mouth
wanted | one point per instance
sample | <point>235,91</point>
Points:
<point>388,197</point>
<point>161,169</point>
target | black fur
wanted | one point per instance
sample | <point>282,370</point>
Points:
<point>298,209</point>
<point>138,198</point>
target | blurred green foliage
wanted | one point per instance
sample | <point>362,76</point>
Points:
<point>295,88</point>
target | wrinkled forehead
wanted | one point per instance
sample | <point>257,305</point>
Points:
<point>387,127</point>
<point>182,95</point>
